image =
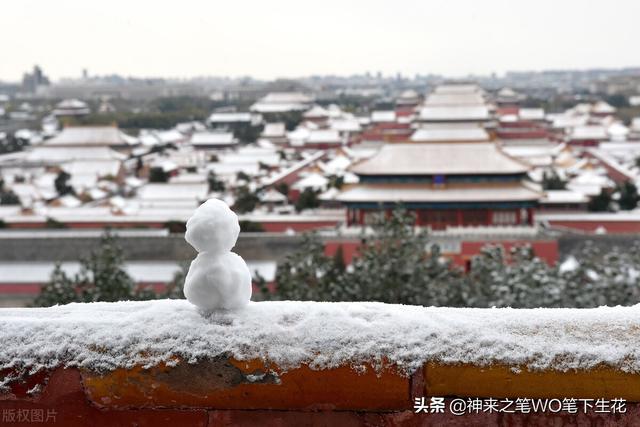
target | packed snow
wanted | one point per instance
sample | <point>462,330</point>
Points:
<point>217,278</point>
<point>104,336</point>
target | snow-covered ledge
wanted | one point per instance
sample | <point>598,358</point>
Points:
<point>168,359</point>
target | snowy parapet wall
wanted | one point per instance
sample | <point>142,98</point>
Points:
<point>106,336</point>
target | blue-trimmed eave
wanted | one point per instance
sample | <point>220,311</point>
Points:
<point>469,178</point>
<point>448,205</point>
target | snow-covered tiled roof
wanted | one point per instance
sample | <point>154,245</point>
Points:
<point>314,181</point>
<point>316,112</point>
<point>71,103</point>
<point>286,98</point>
<point>439,158</point>
<point>383,116</point>
<point>326,136</point>
<point>277,108</point>
<point>448,99</point>
<point>337,165</point>
<point>531,114</point>
<point>618,131</point>
<point>91,136</point>
<point>274,130</point>
<point>443,134</point>
<point>279,102</point>
<point>602,107</point>
<point>589,183</point>
<point>213,138</point>
<point>345,125</point>
<point>273,196</point>
<point>94,168</point>
<point>230,117</point>
<point>454,113</point>
<point>562,121</point>
<point>563,196</point>
<point>588,132</point>
<point>158,192</point>
<point>57,154</point>
<point>457,88</point>
<point>188,178</point>
<point>171,136</point>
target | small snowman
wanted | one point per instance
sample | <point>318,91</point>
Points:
<point>217,278</point>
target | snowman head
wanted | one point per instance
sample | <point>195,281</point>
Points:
<point>213,227</point>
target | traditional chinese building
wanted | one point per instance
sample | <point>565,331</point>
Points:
<point>455,103</point>
<point>444,184</point>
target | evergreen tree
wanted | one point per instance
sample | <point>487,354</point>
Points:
<point>282,188</point>
<point>602,278</point>
<point>157,174</point>
<point>61,183</point>
<point>552,181</point>
<point>7,197</point>
<point>139,166</point>
<point>601,202</point>
<point>524,281</point>
<point>215,184</point>
<point>308,274</point>
<point>393,265</point>
<point>336,181</point>
<point>246,200</point>
<point>628,196</point>
<point>263,166</point>
<point>308,199</point>
<point>262,286</point>
<point>101,278</point>
<point>338,260</point>
<point>242,176</point>
<point>59,290</point>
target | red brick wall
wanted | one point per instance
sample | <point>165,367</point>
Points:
<point>216,393</point>
<point>547,250</point>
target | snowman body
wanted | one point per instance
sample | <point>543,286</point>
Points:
<point>217,277</point>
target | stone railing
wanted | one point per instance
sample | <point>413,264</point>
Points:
<point>302,363</point>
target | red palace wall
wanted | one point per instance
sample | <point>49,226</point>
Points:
<point>440,219</point>
<point>547,250</point>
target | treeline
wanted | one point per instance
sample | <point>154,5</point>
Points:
<point>393,266</point>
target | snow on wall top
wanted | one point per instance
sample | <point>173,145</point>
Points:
<point>103,336</point>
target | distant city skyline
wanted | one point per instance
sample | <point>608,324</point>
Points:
<point>282,38</point>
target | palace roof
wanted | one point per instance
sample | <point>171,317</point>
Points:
<point>473,98</point>
<point>451,134</point>
<point>476,158</point>
<point>454,113</point>
<point>91,136</point>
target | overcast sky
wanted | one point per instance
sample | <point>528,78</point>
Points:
<point>289,38</point>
